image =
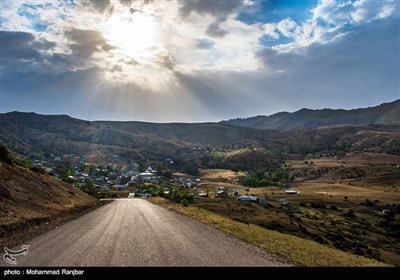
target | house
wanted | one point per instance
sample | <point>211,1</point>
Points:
<point>155,180</point>
<point>262,200</point>
<point>104,188</point>
<point>253,198</point>
<point>222,194</point>
<point>203,194</point>
<point>282,201</point>
<point>146,176</point>
<point>118,187</point>
<point>149,169</point>
<point>292,192</point>
<point>244,199</point>
<point>235,192</point>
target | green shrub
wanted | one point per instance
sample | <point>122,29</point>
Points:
<point>37,169</point>
<point>318,205</point>
<point>5,155</point>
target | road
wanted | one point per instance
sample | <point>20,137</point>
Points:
<point>135,232</point>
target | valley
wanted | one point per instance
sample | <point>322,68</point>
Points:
<point>336,185</point>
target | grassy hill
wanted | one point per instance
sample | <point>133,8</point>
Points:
<point>32,202</point>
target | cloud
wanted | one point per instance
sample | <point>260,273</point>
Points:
<point>101,5</point>
<point>218,10</point>
<point>116,68</point>
<point>211,7</point>
<point>214,30</point>
<point>330,20</point>
<point>87,42</point>
<point>168,62</point>
<point>23,52</point>
<point>18,45</point>
<point>287,27</point>
<point>353,12</point>
<point>126,2</point>
<point>362,65</point>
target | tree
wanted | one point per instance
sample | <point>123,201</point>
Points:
<point>250,182</point>
<point>235,168</point>
<point>191,169</point>
<point>167,174</point>
<point>88,187</point>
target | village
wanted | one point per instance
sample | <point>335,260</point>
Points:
<point>140,181</point>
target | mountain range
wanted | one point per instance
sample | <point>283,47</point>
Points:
<point>372,129</point>
<point>386,113</point>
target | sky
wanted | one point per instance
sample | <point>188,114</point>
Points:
<point>196,61</point>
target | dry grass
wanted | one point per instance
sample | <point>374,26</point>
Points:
<point>212,174</point>
<point>297,250</point>
<point>32,203</point>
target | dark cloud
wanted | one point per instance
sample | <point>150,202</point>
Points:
<point>214,30</point>
<point>87,42</point>
<point>100,5</point>
<point>116,68</point>
<point>213,7</point>
<point>22,51</point>
<point>219,9</point>
<point>168,62</point>
<point>18,45</point>
<point>132,62</point>
<point>107,47</point>
<point>129,2</point>
<point>126,2</point>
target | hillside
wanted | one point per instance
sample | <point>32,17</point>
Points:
<point>29,133</point>
<point>386,113</point>
<point>124,143</point>
<point>32,202</point>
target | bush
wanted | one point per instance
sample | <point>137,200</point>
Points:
<point>318,205</point>
<point>5,155</point>
<point>334,207</point>
<point>368,203</point>
<point>37,169</point>
<point>191,169</point>
<point>185,203</point>
<point>349,213</point>
<point>302,204</point>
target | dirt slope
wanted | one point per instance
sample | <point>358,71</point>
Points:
<point>32,202</point>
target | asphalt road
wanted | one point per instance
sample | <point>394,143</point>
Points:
<point>134,232</point>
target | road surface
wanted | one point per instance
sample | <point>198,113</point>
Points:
<point>135,232</point>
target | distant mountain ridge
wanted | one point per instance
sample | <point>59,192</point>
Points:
<point>130,142</point>
<point>386,114</point>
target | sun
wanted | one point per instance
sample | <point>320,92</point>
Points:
<point>134,36</point>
